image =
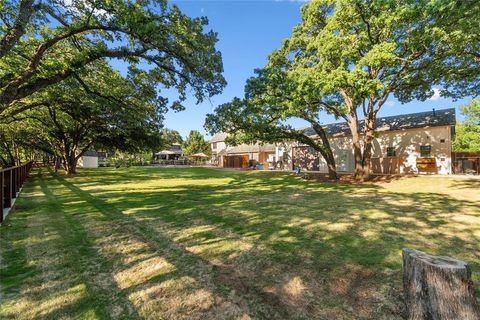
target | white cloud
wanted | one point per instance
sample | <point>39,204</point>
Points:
<point>436,95</point>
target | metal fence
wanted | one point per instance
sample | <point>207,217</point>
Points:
<point>11,180</point>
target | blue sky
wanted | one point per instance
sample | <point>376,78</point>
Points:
<point>248,31</point>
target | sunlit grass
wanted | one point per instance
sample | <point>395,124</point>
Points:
<point>209,244</point>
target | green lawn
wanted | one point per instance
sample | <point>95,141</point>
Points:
<point>209,244</point>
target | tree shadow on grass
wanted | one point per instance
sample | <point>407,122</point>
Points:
<point>467,183</point>
<point>273,246</point>
<point>363,240</point>
<point>141,174</point>
<point>69,276</point>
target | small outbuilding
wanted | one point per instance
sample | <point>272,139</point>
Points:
<point>89,159</point>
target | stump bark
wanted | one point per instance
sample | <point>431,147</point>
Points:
<point>438,288</point>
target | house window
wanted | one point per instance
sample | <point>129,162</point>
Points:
<point>214,145</point>
<point>391,152</point>
<point>425,151</point>
<point>442,140</point>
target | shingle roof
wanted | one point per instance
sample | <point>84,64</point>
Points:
<point>445,117</point>
<point>219,137</point>
<point>246,148</point>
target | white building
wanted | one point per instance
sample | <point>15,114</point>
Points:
<point>410,143</point>
<point>89,159</point>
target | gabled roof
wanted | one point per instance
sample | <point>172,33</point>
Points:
<point>434,118</point>
<point>247,148</point>
<point>219,137</point>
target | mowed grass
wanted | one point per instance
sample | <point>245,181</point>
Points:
<point>199,243</point>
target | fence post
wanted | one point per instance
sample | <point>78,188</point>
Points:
<point>14,183</point>
<point>11,180</point>
<point>7,188</point>
<point>1,196</point>
<point>17,175</point>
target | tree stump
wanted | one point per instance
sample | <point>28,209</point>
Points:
<point>438,288</point>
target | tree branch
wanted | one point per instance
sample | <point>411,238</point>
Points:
<point>11,37</point>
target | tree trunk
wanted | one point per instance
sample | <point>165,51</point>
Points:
<point>357,148</point>
<point>331,166</point>
<point>326,152</point>
<point>57,163</point>
<point>367,147</point>
<point>70,163</point>
<point>438,288</point>
<point>332,171</point>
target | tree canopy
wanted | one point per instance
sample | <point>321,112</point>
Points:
<point>169,137</point>
<point>70,119</point>
<point>347,57</point>
<point>57,84</point>
<point>467,134</point>
<point>195,143</point>
<point>45,42</point>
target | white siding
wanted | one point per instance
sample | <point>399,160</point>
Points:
<point>88,162</point>
<point>407,146</point>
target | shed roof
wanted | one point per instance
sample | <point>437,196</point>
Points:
<point>91,153</point>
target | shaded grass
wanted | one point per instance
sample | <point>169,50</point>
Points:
<point>210,244</point>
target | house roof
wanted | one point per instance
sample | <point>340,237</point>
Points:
<point>434,118</point>
<point>219,137</point>
<point>247,148</point>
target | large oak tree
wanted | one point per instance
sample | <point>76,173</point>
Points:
<point>347,57</point>
<point>102,110</point>
<point>45,42</point>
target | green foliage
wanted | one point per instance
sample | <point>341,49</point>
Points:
<point>169,137</point>
<point>467,134</point>
<point>195,143</point>
<point>13,150</point>
<point>126,159</point>
<point>70,117</point>
<point>359,52</point>
<point>347,57</point>
<point>44,43</point>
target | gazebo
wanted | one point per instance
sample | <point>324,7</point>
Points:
<point>165,155</point>
<point>174,153</point>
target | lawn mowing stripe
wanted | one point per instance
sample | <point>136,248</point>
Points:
<point>15,272</point>
<point>187,262</point>
<point>84,260</point>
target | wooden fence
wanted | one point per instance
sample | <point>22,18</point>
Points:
<point>11,180</point>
